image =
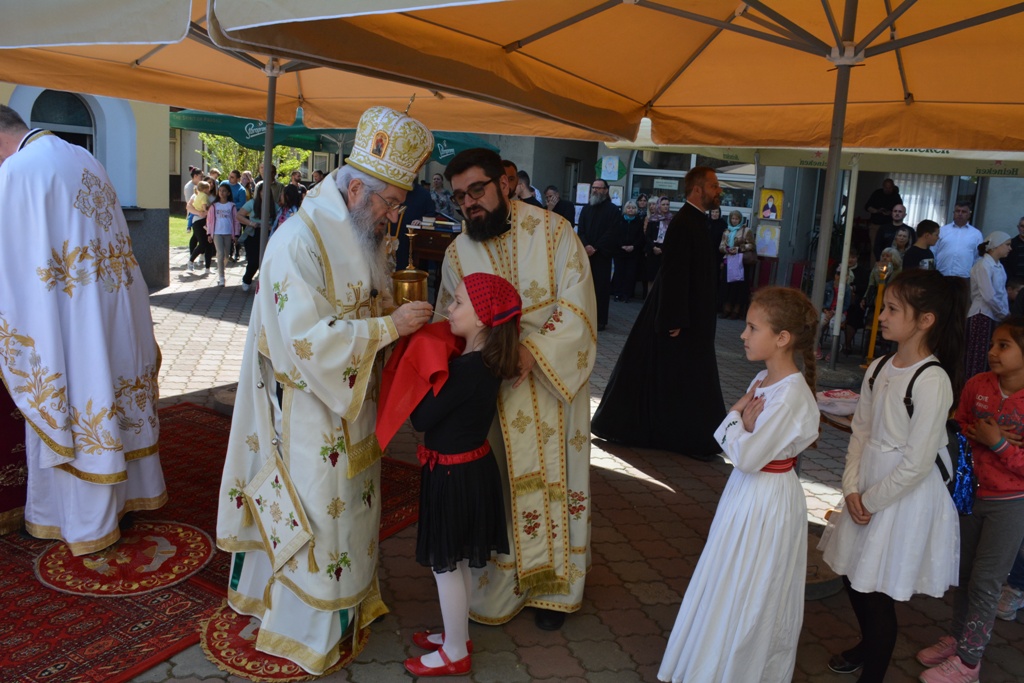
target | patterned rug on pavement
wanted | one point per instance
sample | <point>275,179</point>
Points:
<point>149,556</point>
<point>228,638</point>
<point>47,635</point>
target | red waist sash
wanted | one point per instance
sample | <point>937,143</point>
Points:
<point>431,458</point>
<point>780,466</point>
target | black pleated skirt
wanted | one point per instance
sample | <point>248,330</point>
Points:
<point>462,515</point>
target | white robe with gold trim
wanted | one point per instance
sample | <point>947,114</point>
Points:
<point>77,350</point>
<point>317,330</point>
<point>541,435</point>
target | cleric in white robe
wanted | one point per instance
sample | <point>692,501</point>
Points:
<point>306,562</point>
<point>77,349</point>
<point>541,434</point>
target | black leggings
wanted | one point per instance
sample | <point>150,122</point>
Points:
<point>200,243</point>
<point>252,256</point>
<point>876,615</point>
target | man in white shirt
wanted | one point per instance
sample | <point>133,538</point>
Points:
<point>957,249</point>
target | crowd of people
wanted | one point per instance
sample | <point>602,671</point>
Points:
<point>223,216</point>
<point>497,378</point>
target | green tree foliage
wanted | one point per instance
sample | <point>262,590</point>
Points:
<point>226,154</point>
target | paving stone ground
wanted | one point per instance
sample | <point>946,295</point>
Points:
<point>651,514</point>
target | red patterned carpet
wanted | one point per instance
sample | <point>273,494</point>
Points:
<point>47,635</point>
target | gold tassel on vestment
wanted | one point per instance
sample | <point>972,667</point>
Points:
<point>555,587</point>
<point>247,519</point>
<point>536,580</point>
<point>556,493</point>
<point>530,483</point>
<point>311,558</point>
<point>266,592</point>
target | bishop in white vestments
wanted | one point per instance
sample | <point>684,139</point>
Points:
<point>305,410</point>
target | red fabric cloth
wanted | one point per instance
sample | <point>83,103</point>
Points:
<point>779,466</point>
<point>494,299</point>
<point>430,458</point>
<point>418,364</point>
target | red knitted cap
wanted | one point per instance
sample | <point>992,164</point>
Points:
<point>494,300</point>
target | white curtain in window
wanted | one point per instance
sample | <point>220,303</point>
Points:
<point>925,196</point>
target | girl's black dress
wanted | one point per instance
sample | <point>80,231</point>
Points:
<point>462,510</point>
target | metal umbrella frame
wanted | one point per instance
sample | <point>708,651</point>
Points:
<point>164,51</point>
<point>789,62</point>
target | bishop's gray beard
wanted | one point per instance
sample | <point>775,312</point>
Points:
<point>488,226</point>
<point>372,244</point>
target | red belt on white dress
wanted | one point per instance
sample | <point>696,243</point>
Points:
<point>780,466</point>
<point>430,457</point>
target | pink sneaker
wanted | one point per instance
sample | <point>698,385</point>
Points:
<point>939,652</point>
<point>951,671</point>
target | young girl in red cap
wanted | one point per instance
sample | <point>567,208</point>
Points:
<point>462,513</point>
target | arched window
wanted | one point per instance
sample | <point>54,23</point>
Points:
<point>66,115</point>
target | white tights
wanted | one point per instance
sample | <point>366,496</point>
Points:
<point>453,593</point>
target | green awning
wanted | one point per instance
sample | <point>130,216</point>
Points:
<point>251,133</point>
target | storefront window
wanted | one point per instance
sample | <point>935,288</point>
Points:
<point>659,186</point>
<point>663,161</point>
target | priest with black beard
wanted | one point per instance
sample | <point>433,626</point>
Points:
<point>664,392</point>
<point>540,434</point>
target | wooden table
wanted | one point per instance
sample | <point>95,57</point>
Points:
<point>841,422</point>
<point>429,245</point>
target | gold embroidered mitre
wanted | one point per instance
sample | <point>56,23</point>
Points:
<point>391,146</point>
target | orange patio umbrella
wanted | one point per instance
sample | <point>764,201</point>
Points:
<point>163,51</point>
<point>758,73</point>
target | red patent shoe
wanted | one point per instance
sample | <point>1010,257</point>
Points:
<point>416,667</point>
<point>421,640</point>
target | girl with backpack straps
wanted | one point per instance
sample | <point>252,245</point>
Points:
<point>898,533</point>
<point>991,415</point>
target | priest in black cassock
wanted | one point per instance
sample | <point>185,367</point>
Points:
<point>664,392</point>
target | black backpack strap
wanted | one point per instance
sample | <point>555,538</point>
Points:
<point>878,368</point>
<point>908,399</point>
<point>908,402</point>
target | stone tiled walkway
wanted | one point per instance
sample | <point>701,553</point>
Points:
<point>651,513</point>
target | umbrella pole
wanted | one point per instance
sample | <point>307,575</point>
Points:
<point>844,63</point>
<point>268,155</point>
<point>844,268</point>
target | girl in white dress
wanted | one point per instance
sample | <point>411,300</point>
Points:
<point>898,533</point>
<point>741,616</point>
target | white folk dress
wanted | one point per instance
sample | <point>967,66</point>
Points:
<point>912,543</point>
<point>741,616</point>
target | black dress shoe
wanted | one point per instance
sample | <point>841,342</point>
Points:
<point>846,662</point>
<point>548,619</point>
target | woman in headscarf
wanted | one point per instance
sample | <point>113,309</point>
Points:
<point>627,257</point>
<point>737,240</point>
<point>655,227</point>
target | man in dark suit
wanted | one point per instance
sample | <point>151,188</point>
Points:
<point>563,207</point>
<point>597,231</point>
